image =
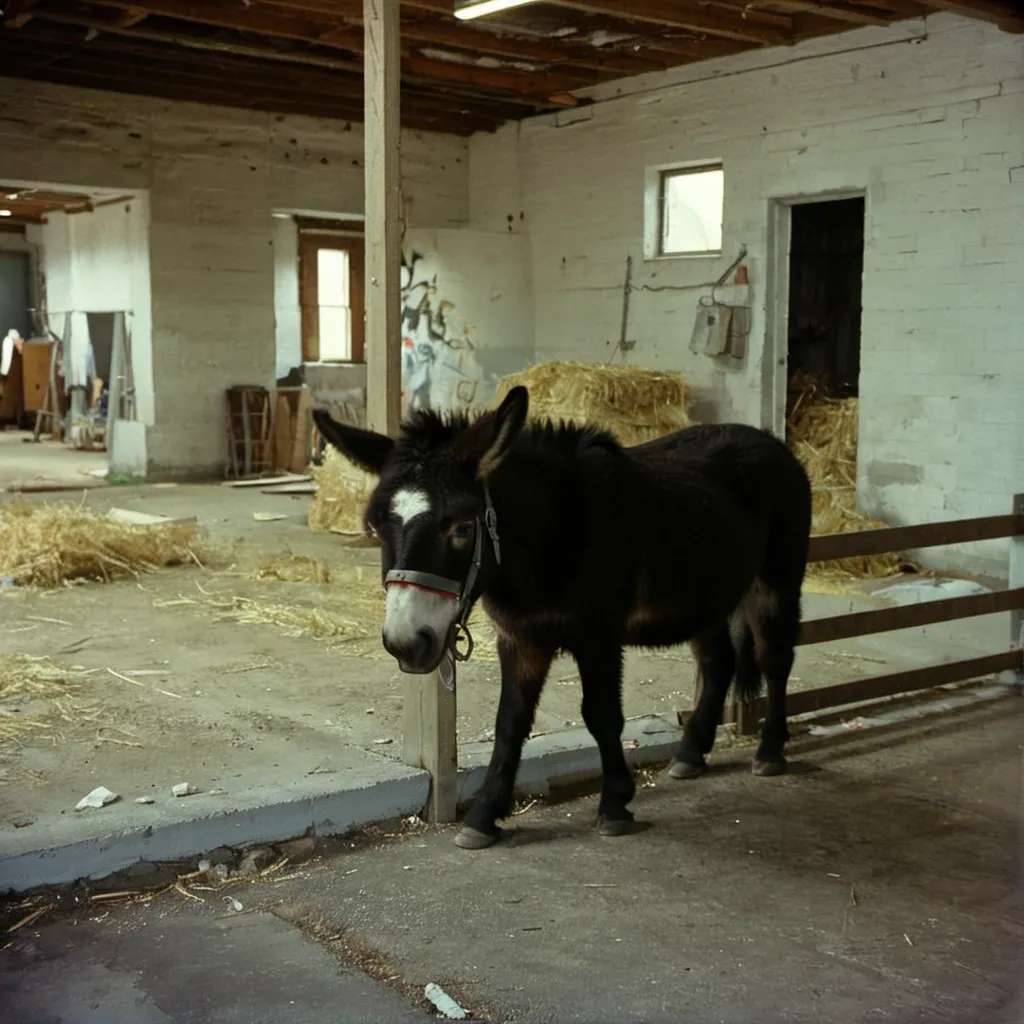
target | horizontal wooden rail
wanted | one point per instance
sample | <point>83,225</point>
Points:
<point>884,620</point>
<point>802,702</point>
<point>830,546</point>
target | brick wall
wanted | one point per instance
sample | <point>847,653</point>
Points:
<point>927,120</point>
<point>213,177</point>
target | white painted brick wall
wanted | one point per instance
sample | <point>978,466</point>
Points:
<point>928,118</point>
<point>213,176</point>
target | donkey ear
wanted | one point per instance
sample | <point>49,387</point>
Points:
<point>489,439</point>
<point>366,449</point>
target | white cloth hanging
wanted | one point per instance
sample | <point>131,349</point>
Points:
<point>7,351</point>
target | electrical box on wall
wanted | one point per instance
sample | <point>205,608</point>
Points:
<point>711,329</point>
<point>720,330</point>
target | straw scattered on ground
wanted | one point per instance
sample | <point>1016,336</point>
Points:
<point>294,569</point>
<point>631,402</point>
<point>822,431</point>
<point>34,691</point>
<point>48,545</point>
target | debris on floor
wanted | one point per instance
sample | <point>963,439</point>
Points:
<point>53,544</point>
<point>99,797</point>
<point>184,789</point>
<point>446,1006</point>
<point>144,800</point>
<point>33,692</point>
<point>294,569</point>
<point>129,517</point>
<point>268,517</point>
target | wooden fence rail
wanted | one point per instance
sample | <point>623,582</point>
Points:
<point>747,714</point>
<point>430,708</point>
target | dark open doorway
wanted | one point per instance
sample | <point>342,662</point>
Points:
<point>826,263</point>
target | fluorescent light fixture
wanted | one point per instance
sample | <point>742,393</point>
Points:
<point>467,10</point>
<point>5,213</point>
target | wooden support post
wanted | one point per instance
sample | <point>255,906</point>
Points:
<point>1016,579</point>
<point>429,711</point>
<point>383,183</point>
<point>431,741</point>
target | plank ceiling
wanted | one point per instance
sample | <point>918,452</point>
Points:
<point>304,56</point>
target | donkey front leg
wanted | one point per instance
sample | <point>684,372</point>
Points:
<point>600,666</point>
<point>523,671</point>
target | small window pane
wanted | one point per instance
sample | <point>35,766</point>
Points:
<point>335,313</point>
<point>335,334</point>
<point>691,211</point>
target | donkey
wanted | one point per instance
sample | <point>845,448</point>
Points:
<point>577,544</point>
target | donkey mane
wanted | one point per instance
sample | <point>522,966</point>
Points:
<point>428,431</point>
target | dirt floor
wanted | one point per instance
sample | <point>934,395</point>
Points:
<point>213,676</point>
<point>878,882</point>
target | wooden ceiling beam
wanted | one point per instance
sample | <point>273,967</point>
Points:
<point>171,88</point>
<point>517,48</point>
<point>304,81</point>
<point>1007,14</point>
<point>835,11</point>
<point>18,12</point>
<point>691,17</point>
<point>544,88</point>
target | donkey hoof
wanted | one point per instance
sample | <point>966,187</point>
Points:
<point>687,770</point>
<point>468,838</point>
<point>765,769</point>
<point>615,826</point>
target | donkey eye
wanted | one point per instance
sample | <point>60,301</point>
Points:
<point>463,530</point>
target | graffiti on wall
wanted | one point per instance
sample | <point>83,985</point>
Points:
<point>440,369</point>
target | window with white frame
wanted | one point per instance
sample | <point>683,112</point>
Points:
<point>690,202</point>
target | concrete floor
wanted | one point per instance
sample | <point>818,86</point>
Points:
<point>879,881</point>
<point>48,463</point>
<point>240,708</point>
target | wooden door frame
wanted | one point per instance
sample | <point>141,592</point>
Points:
<point>315,235</point>
<point>775,360</point>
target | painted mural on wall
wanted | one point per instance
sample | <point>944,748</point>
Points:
<point>440,369</point>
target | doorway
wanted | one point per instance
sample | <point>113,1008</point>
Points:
<point>814,294</point>
<point>826,265</point>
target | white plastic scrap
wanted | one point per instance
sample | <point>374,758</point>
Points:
<point>144,800</point>
<point>444,1002</point>
<point>184,789</point>
<point>99,797</point>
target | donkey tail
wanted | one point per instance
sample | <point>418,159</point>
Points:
<point>748,674</point>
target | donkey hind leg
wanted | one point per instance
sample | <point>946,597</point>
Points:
<point>716,661</point>
<point>523,671</point>
<point>600,668</point>
<point>774,619</point>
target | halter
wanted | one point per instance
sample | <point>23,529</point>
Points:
<point>461,592</point>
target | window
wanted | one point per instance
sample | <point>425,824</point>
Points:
<point>331,293</point>
<point>689,211</point>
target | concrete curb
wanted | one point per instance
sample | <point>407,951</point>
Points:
<point>392,791</point>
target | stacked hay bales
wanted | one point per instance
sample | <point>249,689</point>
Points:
<point>822,431</point>
<point>630,402</point>
<point>633,403</point>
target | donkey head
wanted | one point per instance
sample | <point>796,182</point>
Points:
<point>431,512</point>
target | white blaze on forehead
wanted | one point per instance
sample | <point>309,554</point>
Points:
<point>408,610</point>
<point>408,503</point>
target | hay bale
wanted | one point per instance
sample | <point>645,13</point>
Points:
<point>343,489</point>
<point>633,403</point>
<point>49,545</point>
<point>822,431</point>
